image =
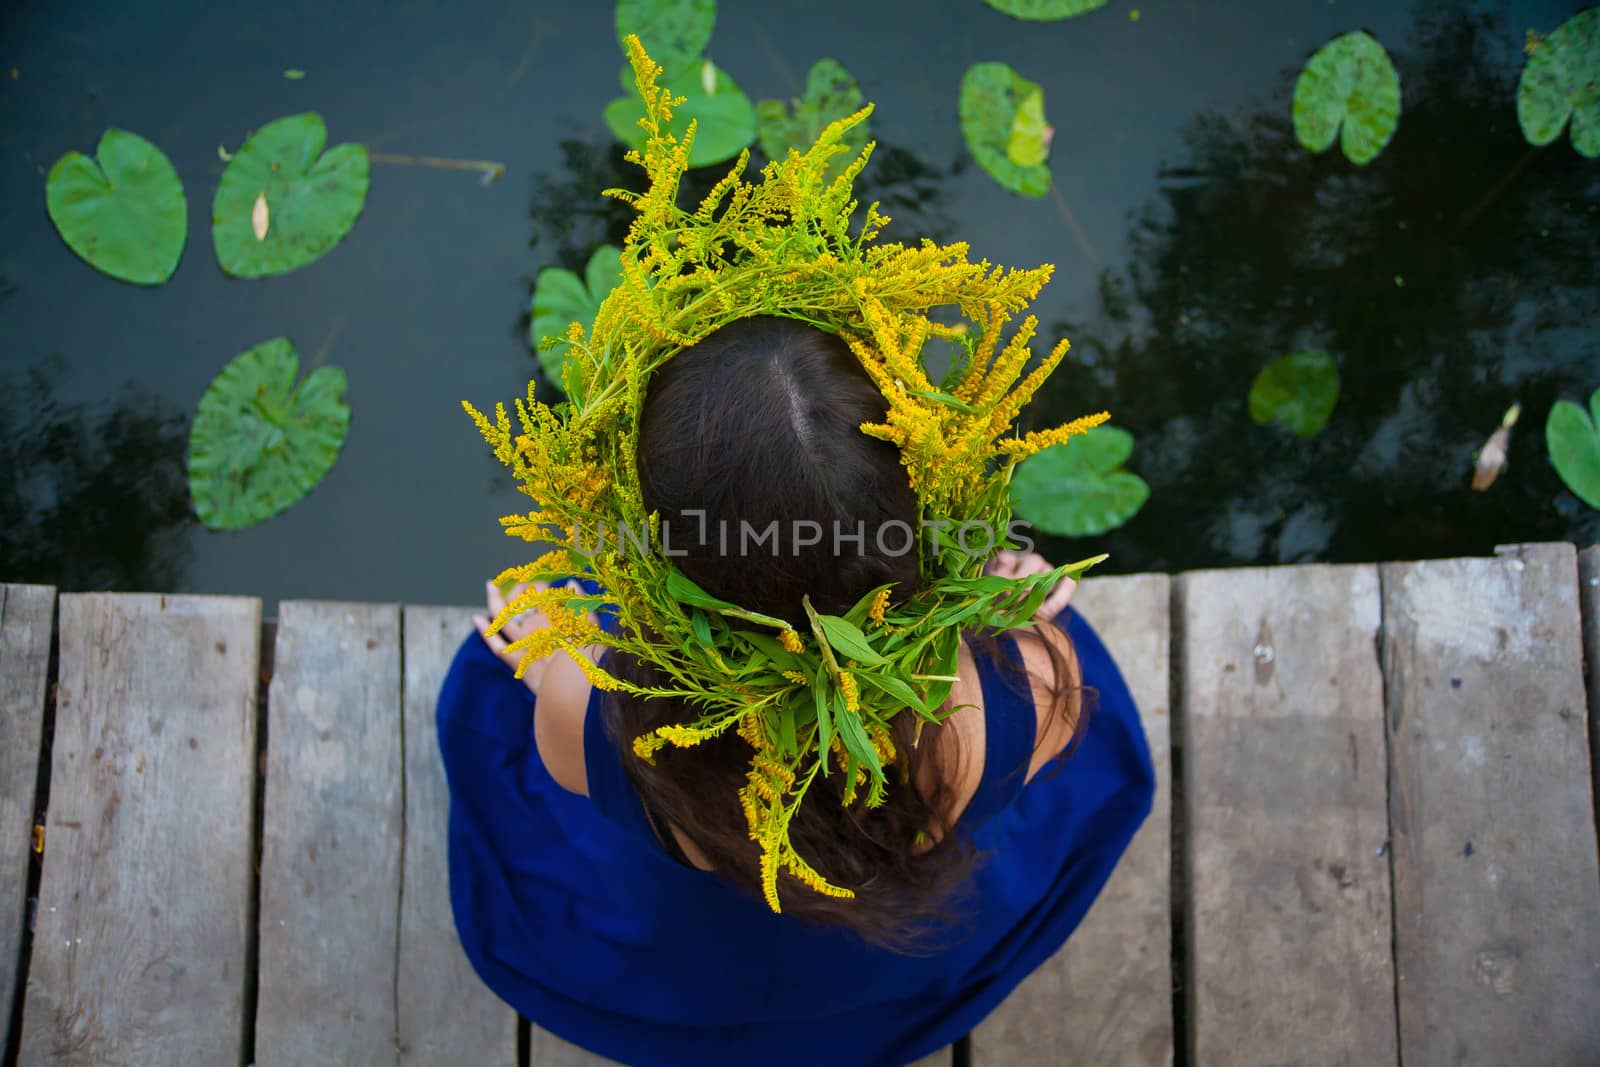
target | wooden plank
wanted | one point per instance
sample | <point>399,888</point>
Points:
<point>1497,906</point>
<point>446,1015</point>
<point>1285,779</point>
<point>27,613</point>
<point>331,831</point>
<point>1106,996</point>
<point>139,946</point>
<point>1589,604</point>
<point>548,1050</point>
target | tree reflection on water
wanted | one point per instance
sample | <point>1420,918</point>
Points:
<point>91,500</point>
<point>1455,274</point>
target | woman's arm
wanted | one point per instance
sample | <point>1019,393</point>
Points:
<point>561,687</point>
<point>1055,729</point>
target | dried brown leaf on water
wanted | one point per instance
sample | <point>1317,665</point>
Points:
<point>1492,456</point>
<point>259,220</point>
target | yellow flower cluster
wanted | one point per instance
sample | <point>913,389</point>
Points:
<point>781,246</point>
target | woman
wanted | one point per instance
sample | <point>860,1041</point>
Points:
<point>703,863</point>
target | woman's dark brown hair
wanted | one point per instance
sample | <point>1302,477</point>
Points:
<point>756,424</point>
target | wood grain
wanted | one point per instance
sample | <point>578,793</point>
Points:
<point>27,614</point>
<point>1285,776</point>
<point>1497,904</point>
<point>1106,996</point>
<point>1589,604</point>
<point>446,1014</point>
<point>331,832</point>
<point>139,948</point>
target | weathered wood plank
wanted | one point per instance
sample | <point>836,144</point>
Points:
<point>1497,904</point>
<point>1285,778</point>
<point>331,831</point>
<point>1106,997</point>
<point>1589,603</point>
<point>27,613</point>
<point>446,1015</point>
<point>548,1050</point>
<point>139,947</point>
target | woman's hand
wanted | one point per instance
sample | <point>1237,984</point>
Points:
<point>516,628</point>
<point>1008,564</point>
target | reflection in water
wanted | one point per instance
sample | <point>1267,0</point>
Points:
<point>1457,273</point>
<point>91,500</point>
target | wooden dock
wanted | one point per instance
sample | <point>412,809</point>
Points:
<point>1374,837</point>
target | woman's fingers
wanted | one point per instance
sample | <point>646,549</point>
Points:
<point>496,643</point>
<point>1010,564</point>
<point>1059,598</point>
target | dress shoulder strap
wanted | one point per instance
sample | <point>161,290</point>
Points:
<point>1010,730</point>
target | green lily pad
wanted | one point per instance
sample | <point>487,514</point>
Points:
<point>992,94</point>
<point>122,212</point>
<point>1561,81</point>
<point>1297,391</point>
<point>1350,82</point>
<point>831,94</point>
<point>1573,437</point>
<point>259,443</point>
<point>1045,10</point>
<point>312,198</point>
<point>726,121</point>
<point>561,298</point>
<point>1078,488</point>
<point>673,32</point>
<point>1029,143</point>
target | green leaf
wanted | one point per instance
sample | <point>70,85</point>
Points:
<point>819,696</point>
<point>1573,438</point>
<point>991,96</point>
<point>701,626</point>
<point>781,657</point>
<point>259,443</point>
<point>1029,143</point>
<point>560,298</point>
<point>846,638</point>
<point>122,212</point>
<point>786,743</point>
<point>726,121</point>
<point>895,687</point>
<point>683,589</point>
<point>312,197</point>
<point>1297,391</point>
<point>939,396</point>
<point>854,736</point>
<point>1562,81</point>
<point>831,94</point>
<point>673,32</point>
<point>1350,81</point>
<point>1077,488</point>
<point>1045,10</point>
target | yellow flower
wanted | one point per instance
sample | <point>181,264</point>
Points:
<point>791,641</point>
<point>852,695</point>
<point>879,605</point>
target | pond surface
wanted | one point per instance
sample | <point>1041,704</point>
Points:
<point>1194,241</point>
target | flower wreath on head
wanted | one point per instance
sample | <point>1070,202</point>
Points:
<point>801,698</point>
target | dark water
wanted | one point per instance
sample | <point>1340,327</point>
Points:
<point>1194,241</point>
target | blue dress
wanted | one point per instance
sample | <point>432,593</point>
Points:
<point>572,911</point>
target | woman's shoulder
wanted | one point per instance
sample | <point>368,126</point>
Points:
<point>558,723</point>
<point>962,757</point>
